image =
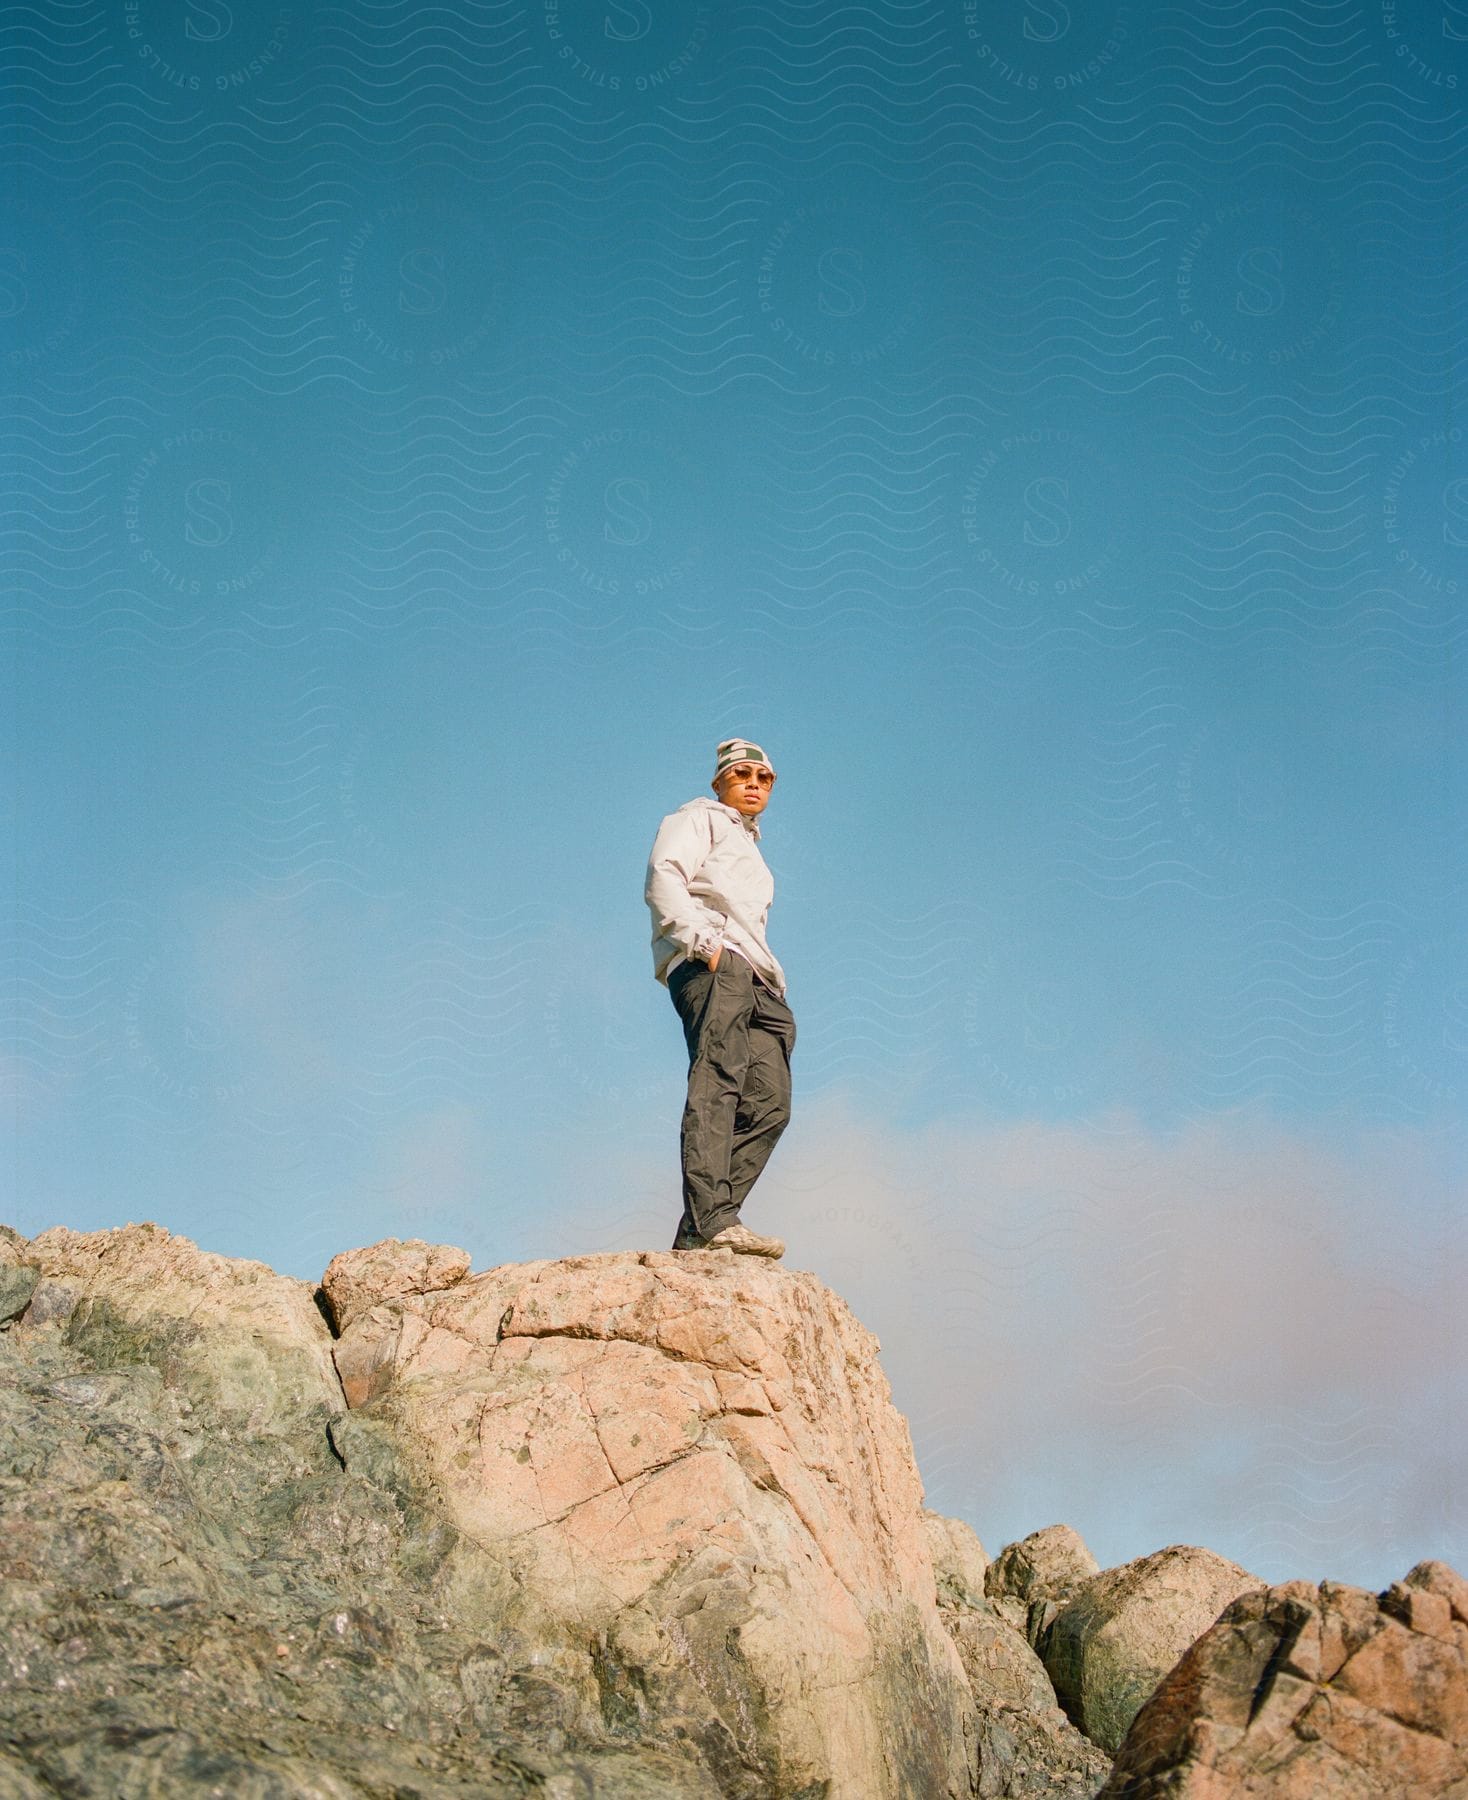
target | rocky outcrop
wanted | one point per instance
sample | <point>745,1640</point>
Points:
<point>634,1526</point>
<point>1314,1693</point>
<point>695,1465</point>
<point>1113,1641</point>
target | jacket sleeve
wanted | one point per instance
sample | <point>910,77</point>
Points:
<point>678,851</point>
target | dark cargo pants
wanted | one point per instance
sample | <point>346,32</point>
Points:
<point>740,1035</point>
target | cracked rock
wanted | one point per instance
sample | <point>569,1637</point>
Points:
<point>1301,1692</point>
<point>696,1467</point>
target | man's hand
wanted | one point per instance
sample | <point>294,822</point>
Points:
<point>714,959</point>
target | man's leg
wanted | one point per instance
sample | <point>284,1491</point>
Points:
<point>764,1101</point>
<point>715,1008</point>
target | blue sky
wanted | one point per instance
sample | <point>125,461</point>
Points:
<point>433,430</point>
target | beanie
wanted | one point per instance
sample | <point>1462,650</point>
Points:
<point>739,750</point>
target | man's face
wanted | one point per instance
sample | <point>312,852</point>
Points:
<point>746,787</point>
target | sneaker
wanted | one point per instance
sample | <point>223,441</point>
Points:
<point>740,1238</point>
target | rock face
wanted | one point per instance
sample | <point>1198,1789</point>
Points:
<point>1022,1745</point>
<point>959,1562</point>
<point>1109,1646</point>
<point>694,1465</point>
<point>17,1279</point>
<point>1314,1693</point>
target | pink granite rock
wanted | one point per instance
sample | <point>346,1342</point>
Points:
<point>1313,1693</point>
<point>696,1465</point>
<point>356,1280</point>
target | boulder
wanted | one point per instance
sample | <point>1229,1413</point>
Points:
<point>1313,1693</point>
<point>1111,1644</point>
<point>694,1467</point>
<point>1034,1578</point>
<point>959,1562</point>
<point>356,1280</point>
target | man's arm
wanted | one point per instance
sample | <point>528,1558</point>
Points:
<point>678,851</point>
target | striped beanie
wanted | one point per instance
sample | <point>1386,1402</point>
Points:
<point>739,750</point>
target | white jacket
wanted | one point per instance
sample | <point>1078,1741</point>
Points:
<point>708,885</point>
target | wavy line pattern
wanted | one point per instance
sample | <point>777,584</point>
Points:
<point>1045,424</point>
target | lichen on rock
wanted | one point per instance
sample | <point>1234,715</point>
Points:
<point>1110,1644</point>
<point>197,1597</point>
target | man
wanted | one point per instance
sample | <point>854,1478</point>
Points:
<point>710,892</point>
